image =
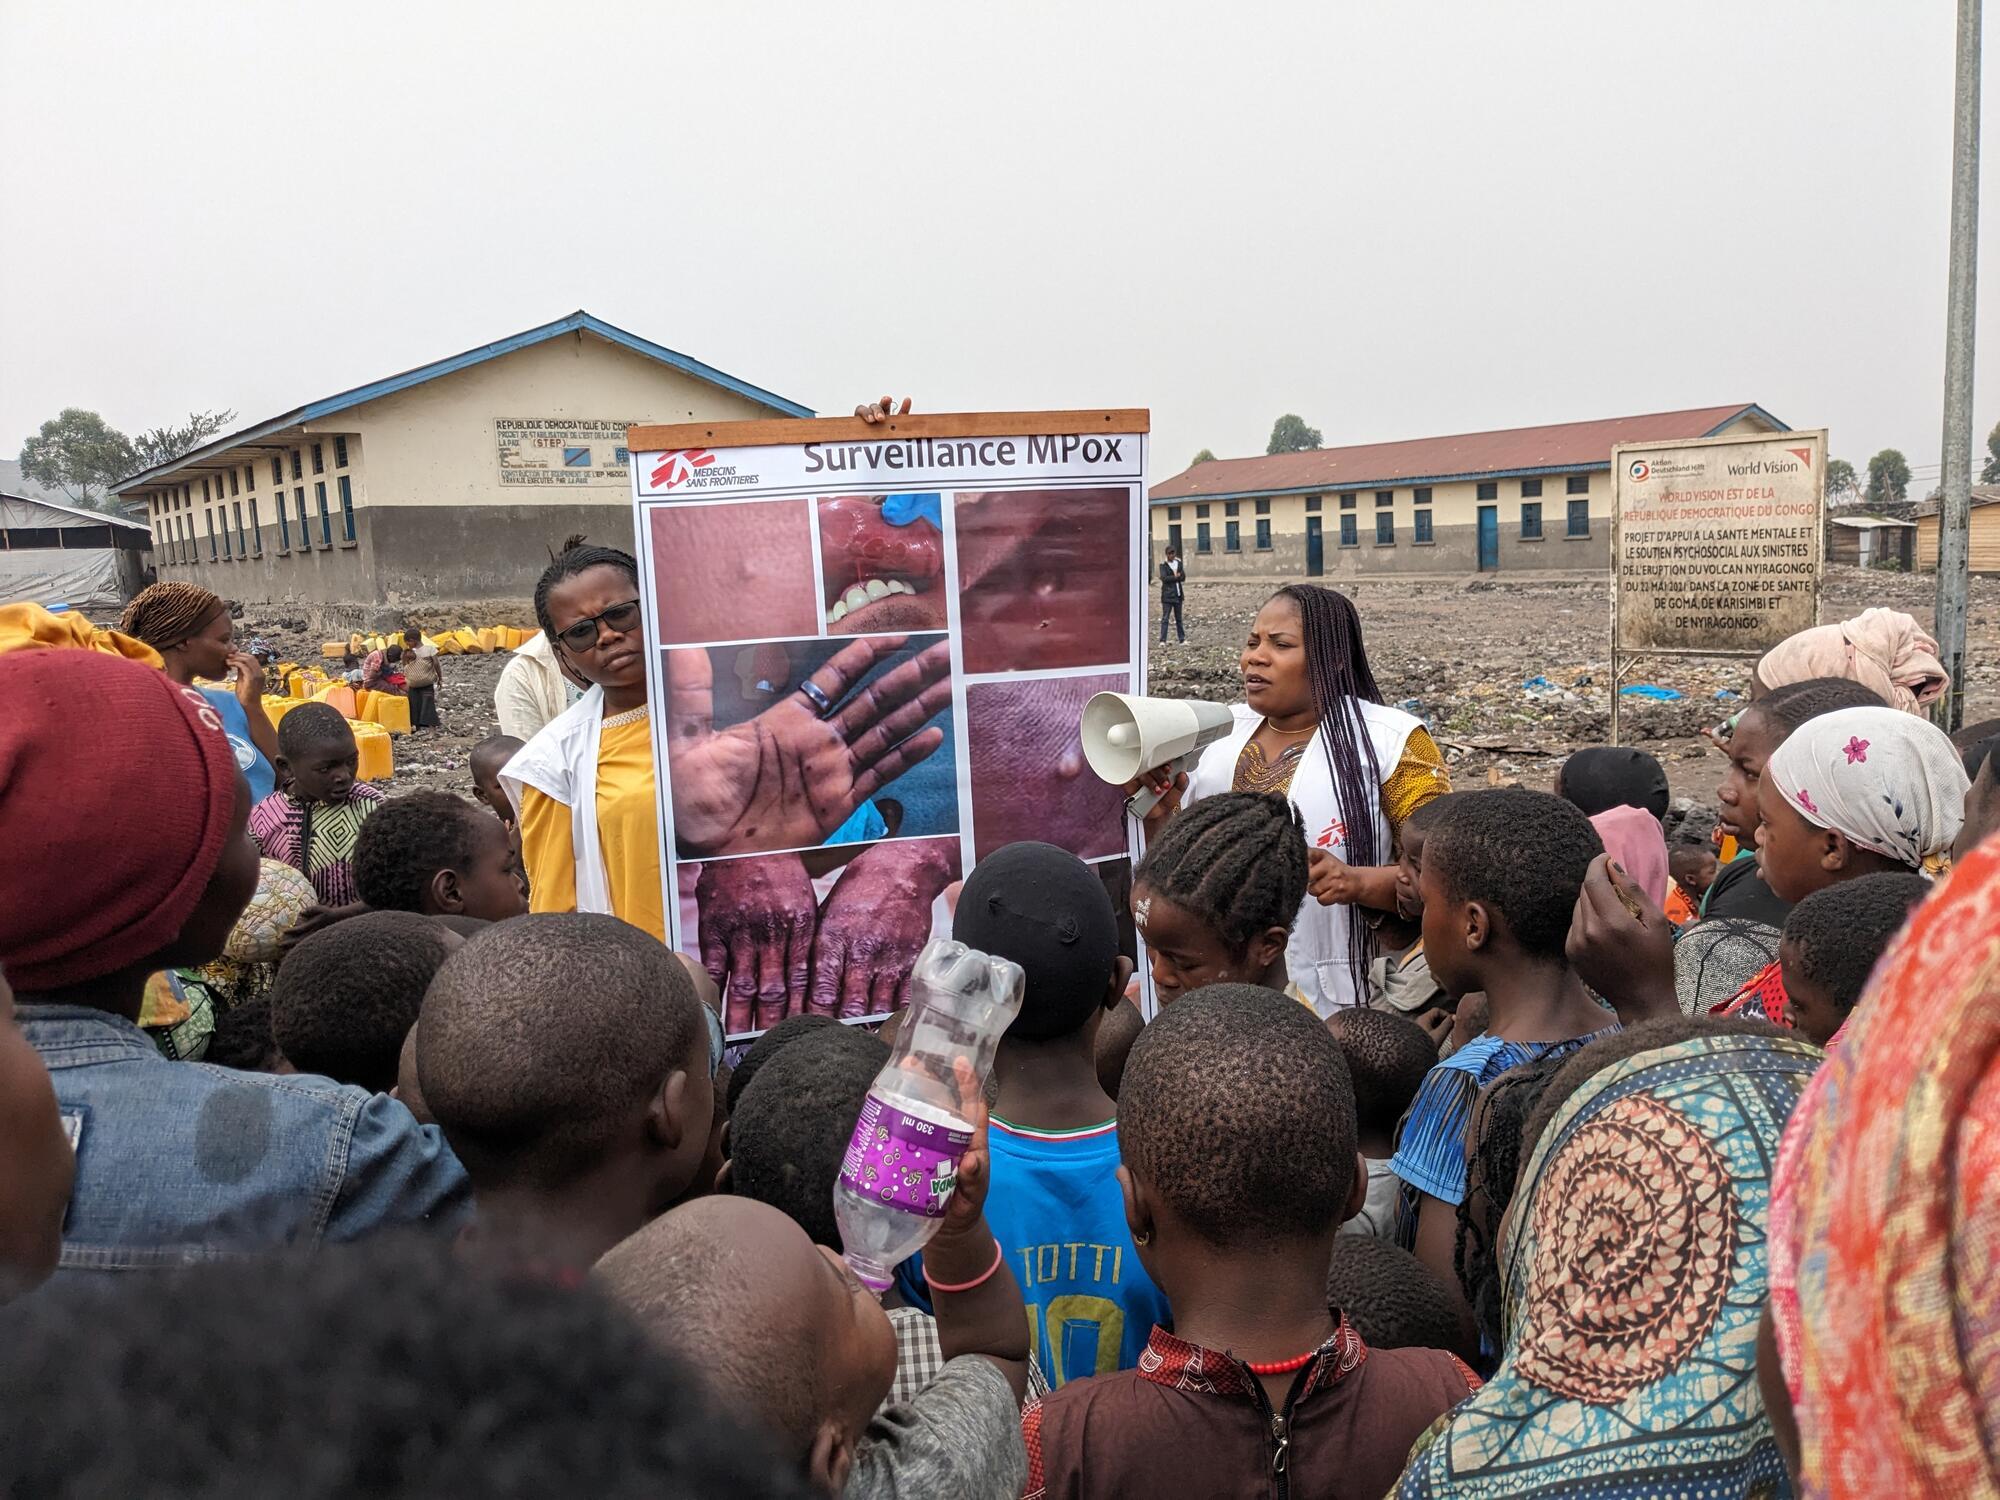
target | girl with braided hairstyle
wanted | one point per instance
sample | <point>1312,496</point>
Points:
<point>1313,728</point>
<point>191,629</point>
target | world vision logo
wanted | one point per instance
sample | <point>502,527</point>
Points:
<point>677,468</point>
<point>1803,455</point>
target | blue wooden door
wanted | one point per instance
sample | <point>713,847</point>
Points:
<point>1315,549</point>
<point>1489,538</point>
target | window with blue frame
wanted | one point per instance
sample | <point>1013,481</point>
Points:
<point>340,452</point>
<point>284,525</point>
<point>1423,526</point>
<point>1232,536</point>
<point>298,465</point>
<point>1531,521</point>
<point>278,472</point>
<point>1349,534</point>
<point>1263,536</point>
<point>1579,518</point>
<point>1201,542</point>
<point>325,516</point>
<point>347,507</point>
<point>305,530</point>
<point>1385,528</point>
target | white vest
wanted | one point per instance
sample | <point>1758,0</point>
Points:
<point>561,762</point>
<point>1317,956</point>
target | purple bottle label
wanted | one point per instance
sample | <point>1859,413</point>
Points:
<point>902,1159</point>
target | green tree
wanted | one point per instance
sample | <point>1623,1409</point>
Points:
<point>78,453</point>
<point>1207,456</point>
<point>162,445</point>
<point>1989,472</point>
<point>1289,434</point>
<point>1888,478</point>
<point>1842,484</point>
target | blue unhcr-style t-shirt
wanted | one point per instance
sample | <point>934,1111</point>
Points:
<point>1056,1209</point>
<point>249,759</point>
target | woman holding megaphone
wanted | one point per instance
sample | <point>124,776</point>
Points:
<point>1313,728</point>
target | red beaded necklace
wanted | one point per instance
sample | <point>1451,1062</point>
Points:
<point>1283,1366</point>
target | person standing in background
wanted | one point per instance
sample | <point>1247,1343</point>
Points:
<point>423,671</point>
<point>532,689</point>
<point>1173,574</point>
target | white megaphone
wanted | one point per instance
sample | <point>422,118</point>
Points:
<point>1124,737</point>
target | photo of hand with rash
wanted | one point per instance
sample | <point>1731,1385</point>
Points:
<point>882,562</point>
<point>832,931</point>
<point>1044,578</point>
<point>796,744</point>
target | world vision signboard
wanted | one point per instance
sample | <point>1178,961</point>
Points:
<point>1718,544</point>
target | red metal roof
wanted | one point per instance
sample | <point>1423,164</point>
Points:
<point>1565,445</point>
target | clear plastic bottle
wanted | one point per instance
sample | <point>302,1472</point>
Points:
<point>902,1162</point>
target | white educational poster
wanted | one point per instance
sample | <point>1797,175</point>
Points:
<point>871,649</point>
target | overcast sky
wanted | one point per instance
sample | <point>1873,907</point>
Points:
<point>1397,220</point>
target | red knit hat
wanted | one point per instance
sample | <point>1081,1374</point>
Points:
<point>117,793</point>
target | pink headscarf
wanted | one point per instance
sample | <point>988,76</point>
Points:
<point>1633,839</point>
<point>1884,650</point>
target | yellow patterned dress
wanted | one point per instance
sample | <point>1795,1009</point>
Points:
<point>1418,777</point>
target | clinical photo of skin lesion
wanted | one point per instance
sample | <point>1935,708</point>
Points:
<point>832,932</point>
<point>797,744</point>
<point>733,572</point>
<point>1044,578</point>
<point>882,563</point>
<point>1029,777</point>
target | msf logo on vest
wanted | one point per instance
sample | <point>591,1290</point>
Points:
<point>677,468</point>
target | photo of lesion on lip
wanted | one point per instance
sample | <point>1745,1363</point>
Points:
<point>797,744</point>
<point>1044,578</point>
<point>882,563</point>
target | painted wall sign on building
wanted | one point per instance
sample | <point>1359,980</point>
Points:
<point>1718,544</point>
<point>560,450</point>
<point>871,651</point>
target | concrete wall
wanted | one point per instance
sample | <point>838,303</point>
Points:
<point>1453,509</point>
<point>434,516</point>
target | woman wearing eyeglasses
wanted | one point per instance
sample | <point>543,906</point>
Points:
<point>583,785</point>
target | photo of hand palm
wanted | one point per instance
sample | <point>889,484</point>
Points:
<point>787,778</point>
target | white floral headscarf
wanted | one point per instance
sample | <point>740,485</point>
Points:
<point>1889,781</point>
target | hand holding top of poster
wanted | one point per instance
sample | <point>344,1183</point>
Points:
<point>792,775</point>
<point>874,413</point>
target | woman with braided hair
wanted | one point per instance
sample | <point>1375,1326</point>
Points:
<point>1313,728</point>
<point>191,629</point>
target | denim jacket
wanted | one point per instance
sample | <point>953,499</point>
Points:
<point>180,1161</point>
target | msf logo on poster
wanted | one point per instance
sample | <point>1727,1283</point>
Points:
<point>677,468</point>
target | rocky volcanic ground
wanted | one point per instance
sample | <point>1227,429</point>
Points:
<point>1510,674</point>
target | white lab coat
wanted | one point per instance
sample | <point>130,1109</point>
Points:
<point>561,762</point>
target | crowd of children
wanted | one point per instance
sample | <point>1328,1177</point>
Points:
<point>1573,1201</point>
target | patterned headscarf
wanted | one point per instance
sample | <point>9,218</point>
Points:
<point>164,615</point>
<point>1889,781</point>
<point>1633,1261</point>
<point>1886,1219</point>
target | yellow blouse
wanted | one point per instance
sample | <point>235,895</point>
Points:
<point>628,830</point>
<point>1419,776</point>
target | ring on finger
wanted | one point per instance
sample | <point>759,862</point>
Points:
<point>816,696</point>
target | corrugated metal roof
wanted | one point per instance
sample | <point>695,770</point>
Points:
<point>576,322</point>
<point>33,510</point>
<point>1562,447</point>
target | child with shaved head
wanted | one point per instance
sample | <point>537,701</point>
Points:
<point>1238,1136</point>
<point>786,1331</point>
<point>567,1061</point>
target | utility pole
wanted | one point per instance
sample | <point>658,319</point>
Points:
<point>1955,504</point>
